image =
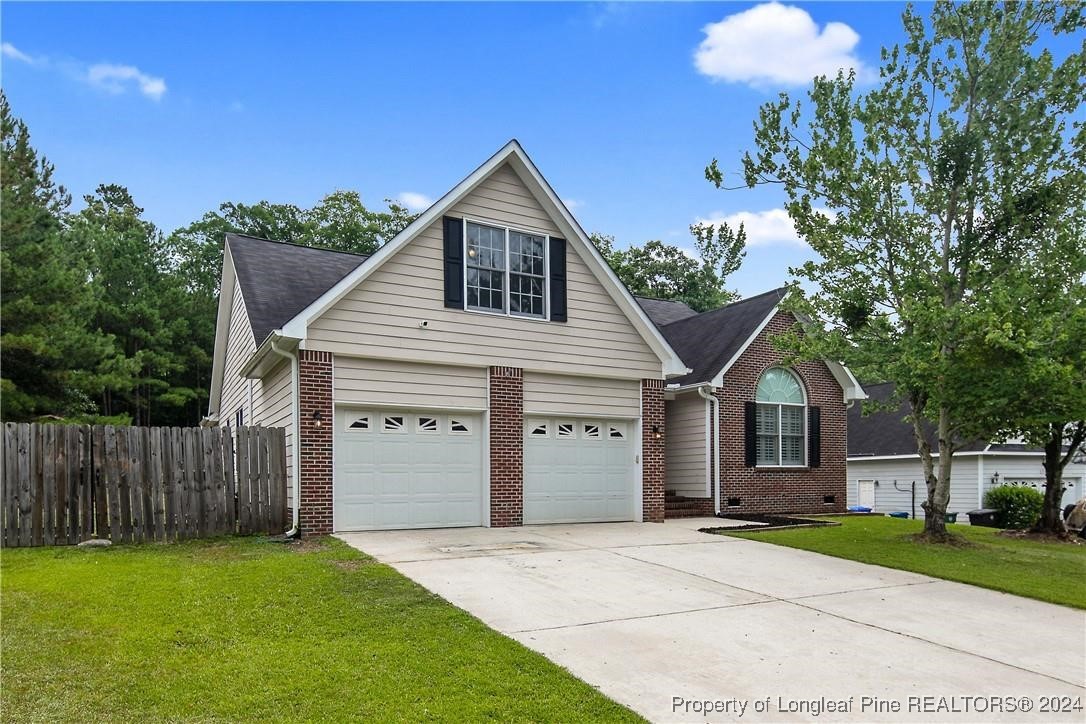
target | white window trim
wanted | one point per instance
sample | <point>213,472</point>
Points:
<point>459,421</point>
<point>403,424</point>
<point>780,435</point>
<point>507,312</point>
<point>355,417</point>
<point>419,430</point>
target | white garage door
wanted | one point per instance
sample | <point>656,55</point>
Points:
<point>398,469</point>
<point>578,470</point>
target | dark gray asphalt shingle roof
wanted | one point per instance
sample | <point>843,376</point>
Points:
<point>278,280</point>
<point>707,341</point>
<point>887,432</point>
<point>664,311</point>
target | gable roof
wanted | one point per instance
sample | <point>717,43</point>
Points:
<point>885,432</point>
<point>709,341</point>
<point>664,311</point>
<point>514,155</point>
<point>278,279</point>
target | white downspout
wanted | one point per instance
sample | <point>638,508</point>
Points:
<point>296,472</point>
<point>713,442</point>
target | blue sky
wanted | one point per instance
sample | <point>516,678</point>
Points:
<point>193,105</point>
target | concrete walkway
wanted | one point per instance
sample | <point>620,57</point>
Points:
<point>685,626</point>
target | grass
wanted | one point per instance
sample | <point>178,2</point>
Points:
<point>1053,572</point>
<point>247,629</point>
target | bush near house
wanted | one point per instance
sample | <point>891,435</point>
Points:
<point>1017,506</point>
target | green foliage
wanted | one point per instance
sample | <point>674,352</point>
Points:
<point>939,202</point>
<point>1017,506</point>
<point>47,349</point>
<point>250,630</point>
<point>663,271</point>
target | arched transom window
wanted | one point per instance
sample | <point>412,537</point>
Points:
<point>781,419</point>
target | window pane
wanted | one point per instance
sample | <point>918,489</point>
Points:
<point>766,421</point>
<point>486,247</point>
<point>767,450</point>
<point>791,420</point>
<point>792,450</point>
<point>778,385</point>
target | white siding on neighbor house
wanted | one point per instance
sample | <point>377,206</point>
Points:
<point>548,394</point>
<point>685,418</point>
<point>969,480</point>
<point>380,318</point>
<point>272,408</point>
<point>239,347</point>
<point>399,383</point>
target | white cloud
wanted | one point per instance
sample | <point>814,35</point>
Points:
<point>117,79</point>
<point>414,201</point>
<point>573,204</point>
<point>764,228</point>
<point>775,44</point>
<point>10,51</point>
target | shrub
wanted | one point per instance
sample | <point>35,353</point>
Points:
<point>1016,506</point>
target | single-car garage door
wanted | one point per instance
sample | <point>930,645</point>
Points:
<point>400,469</point>
<point>578,470</point>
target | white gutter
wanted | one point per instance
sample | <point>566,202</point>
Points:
<point>712,443</point>
<point>296,473</point>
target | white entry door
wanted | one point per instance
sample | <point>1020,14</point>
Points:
<point>400,469</point>
<point>867,493</point>
<point>579,470</point>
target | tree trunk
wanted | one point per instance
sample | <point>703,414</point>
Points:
<point>1051,520</point>
<point>939,483</point>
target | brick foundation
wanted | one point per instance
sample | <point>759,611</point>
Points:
<point>653,465</point>
<point>315,483</point>
<point>506,447</point>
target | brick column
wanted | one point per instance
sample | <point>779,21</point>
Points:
<point>653,470</point>
<point>315,482</point>
<point>506,447</point>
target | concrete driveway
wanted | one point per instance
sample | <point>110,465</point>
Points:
<point>685,626</point>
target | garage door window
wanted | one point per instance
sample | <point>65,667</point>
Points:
<point>540,430</point>
<point>358,424</point>
<point>393,423</point>
<point>566,431</point>
<point>459,427</point>
<point>426,425</point>
<point>591,431</point>
<point>616,432</point>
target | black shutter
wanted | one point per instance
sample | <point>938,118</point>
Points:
<point>814,436</point>
<point>558,280</point>
<point>750,436</point>
<point>454,262</point>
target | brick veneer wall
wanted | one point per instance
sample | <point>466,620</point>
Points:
<point>506,446</point>
<point>653,467</point>
<point>315,448</point>
<point>780,490</point>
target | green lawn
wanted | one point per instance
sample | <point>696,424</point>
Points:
<point>255,630</point>
<point>1054,572</point>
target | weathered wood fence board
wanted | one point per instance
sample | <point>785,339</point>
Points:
<point>65,483</point>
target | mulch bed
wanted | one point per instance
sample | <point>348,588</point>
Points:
<point>768,522</point>
<point>1068,537</point>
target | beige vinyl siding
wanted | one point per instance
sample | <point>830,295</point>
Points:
<point>685,418</point>
<point>395,382</point>
<point>239,347</point>
<point>272,408</point>
<point>380,318</point>
<point>582,396</point>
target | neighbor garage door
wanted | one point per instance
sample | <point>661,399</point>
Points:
<point>399,469</point>
<point>578,470</point>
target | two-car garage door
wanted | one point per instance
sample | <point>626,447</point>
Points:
<point>418,469</point>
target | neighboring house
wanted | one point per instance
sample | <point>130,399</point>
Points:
<point>486,367</point>
<point>885,472</point>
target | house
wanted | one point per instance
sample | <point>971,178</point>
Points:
<point>486,367</point>
<point>886,475</point>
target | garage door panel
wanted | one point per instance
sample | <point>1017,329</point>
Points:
<point>574,471</point>
<point>407,470</point>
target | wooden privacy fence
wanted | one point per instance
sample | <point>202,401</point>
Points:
<point>65,483</point>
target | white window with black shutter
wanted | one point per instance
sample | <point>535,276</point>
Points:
<point>781,429</point>
<point>498,269</point>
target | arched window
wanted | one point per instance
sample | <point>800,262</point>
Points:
<point>781,419</point>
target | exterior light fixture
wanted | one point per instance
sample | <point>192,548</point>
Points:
<point>995,480</point>
<point>472,252</point>
<point>656,434</point>
<point>317,417</point>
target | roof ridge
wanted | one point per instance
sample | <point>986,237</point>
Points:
<point>296,244</point>
<point>732,305</point>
